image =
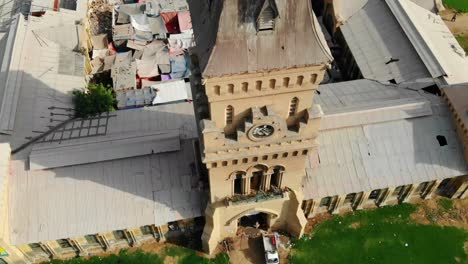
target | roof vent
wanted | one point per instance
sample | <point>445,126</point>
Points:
<point>266,18</point>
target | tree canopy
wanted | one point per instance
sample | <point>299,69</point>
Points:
<point>94,100</point>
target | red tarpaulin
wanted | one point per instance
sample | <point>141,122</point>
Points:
<point>171,22</point>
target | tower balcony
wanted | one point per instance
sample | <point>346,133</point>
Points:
<point>256,197</point>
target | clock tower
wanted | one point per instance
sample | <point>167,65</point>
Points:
<point>255,70</point>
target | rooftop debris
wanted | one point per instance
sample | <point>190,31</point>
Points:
<point>144,41</point>
<point>100,17</point>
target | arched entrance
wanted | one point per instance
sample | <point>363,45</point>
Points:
<point>255,219</point>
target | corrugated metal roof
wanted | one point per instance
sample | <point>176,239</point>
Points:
<point>4,172</point>
<point>169,92</point>
<point>433,41</point>
<point>94,149</point>
<point>334,97</point>
<point>378,155</point>
<point>228,42</point>
<point>40,93</point>
<point>104,196</point>
<point>375,38</point>
<point>344,9</point>
<point>362,102</point>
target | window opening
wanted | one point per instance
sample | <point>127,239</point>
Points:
<point>229,114</point>
<point>293,106</point>
<point>442,140</point>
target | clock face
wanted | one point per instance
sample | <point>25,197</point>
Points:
<point>262,131</point>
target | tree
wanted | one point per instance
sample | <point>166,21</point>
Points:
<point>94,100</point>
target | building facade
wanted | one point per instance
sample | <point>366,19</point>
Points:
<point>256,116</point>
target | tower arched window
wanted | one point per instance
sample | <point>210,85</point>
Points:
<point>239,183</point>
<point>293,106</point>
<point>231,88</point>
<point>217,89</point>
<point>258,85</point>
<point>299,80</point>
<point>313,78</point>
<point>245,86</point>
<point>229,114</point>
<point>272,83</point>
<point>276,177</point>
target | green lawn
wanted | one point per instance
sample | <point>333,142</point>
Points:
<point>184,255</point>
<point>463,40</point>
<point>459,5</point>
<point>385,235</point>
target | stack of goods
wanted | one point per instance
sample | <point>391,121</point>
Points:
<point>149,43</point>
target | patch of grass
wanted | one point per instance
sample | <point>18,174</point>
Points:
<point>188,256</point>
<point>459,5</point>
<point>446,204</point>
<point>185,256</point>
<point>463,40</point>
<point>123,257</point>
<point>384,235</point>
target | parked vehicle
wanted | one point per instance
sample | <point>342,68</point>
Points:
<point>271,249</point>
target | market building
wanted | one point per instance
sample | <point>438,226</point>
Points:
<point>262,131</point>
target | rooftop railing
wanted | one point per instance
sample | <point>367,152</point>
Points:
<point>259,196</point>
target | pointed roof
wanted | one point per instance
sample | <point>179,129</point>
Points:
<point>228,41</point>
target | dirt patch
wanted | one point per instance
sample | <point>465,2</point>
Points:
<point>313,222</point>
<point>430,212</point>
<point>100,18</point>
<point>459,26</point>
<point>355,225</point>
<point>247,247</point>
<point>153,247</point>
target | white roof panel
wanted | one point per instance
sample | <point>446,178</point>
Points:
<point>375,39</point>
<point>382,155</point>
<point>433,41</point>
<point>170,91</point>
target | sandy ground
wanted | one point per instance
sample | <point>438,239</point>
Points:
<point>430,213</point>
<point>460,26</point>
<point>247,247</point>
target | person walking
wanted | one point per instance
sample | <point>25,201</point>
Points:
<point>454,18</point>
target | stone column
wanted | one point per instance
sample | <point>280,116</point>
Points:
<point>464,194</point>
<point>160,231</point>
<point>307,207</point>
<point>409,193</point>
<point>267,182</point>
<point>339,203</point>
<point>363,198</point>
<point>132,236</point>
<point>51,250</point>
<point>247,185</point>
<point>81,250</point>
<point>103,239</point>
<point>385,196</point>
<point>313,209</point>
<point>461,191</point>
<point>431,190</point>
